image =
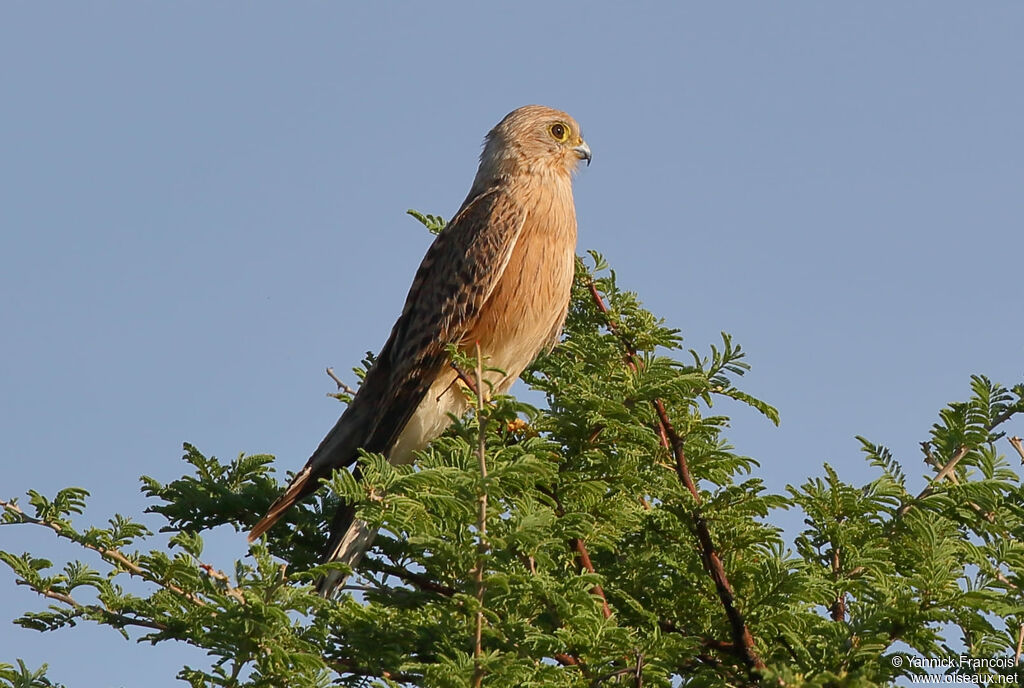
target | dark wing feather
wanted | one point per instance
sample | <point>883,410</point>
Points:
<point>454,281</point>
<point>457,275</point>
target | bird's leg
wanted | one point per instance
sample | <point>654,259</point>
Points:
<point>460,376</point>
<point>467,382</point>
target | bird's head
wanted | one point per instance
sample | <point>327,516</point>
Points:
<point>533,139</point>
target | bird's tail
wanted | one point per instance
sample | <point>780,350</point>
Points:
<point>350,538</point>
<point>299,487</point>
<point>337,450</point>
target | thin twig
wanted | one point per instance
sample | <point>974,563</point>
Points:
<point>743,641</point>
<point>615,673</point>
<point>613,326</point>
<point>567,659</point>
<point>111,555</point>
<point>670,439</point>
<point>418,579</point>
<point>465,379</point>
<point>112,618</point>
<point>481,523</point>
<point>342,387</point>
<point>1004,416</point>
<point>229,589</point>
<point>999,576</point>
<point>948,468</point>
<point>583,556</point>
<point>945,472</point>
<point>929,458</point>
<point>1020,645</point>
<point>348,666</point>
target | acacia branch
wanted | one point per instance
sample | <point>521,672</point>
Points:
<point>636,671</point>
<point>111,555</point>
<point>671,440</point>
<point>1008,413</point>
<point>109,617</point>
<point>229,590</point>
<point>348,666</point>
<point>743,641</point>
<point>929,458</point>
<point>583,556</point>
<point>342,387</point>
<point>420,580</point>
<point>567,659</point>
<point>945,472</point>
<point>481,523</point>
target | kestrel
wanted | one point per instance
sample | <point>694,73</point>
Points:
<point>498,276</point>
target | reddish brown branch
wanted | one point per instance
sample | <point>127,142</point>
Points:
<point>670,439</point>
<point>613,326</point>
<point>740,633</point>
<point>583,556</point>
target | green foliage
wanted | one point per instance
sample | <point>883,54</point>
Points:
<point>433,223</point>
<point>22,677</point>
<point>586,506</point>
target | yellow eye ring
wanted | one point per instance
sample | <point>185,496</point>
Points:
<point>559,132</point>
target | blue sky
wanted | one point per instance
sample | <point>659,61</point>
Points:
<point>202,206</point>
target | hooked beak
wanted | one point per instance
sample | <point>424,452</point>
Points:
<point>583,151</point>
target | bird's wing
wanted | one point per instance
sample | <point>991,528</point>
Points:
<point>451,287</point>
<point>454,281</point>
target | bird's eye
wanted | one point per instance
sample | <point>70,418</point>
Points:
<point>559,132</point>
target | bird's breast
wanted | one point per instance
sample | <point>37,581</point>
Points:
<point>528,304</point>
<point>523,314</point>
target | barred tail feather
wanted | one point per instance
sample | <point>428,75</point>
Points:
<point>350,538</point>
<point>298,489</point>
